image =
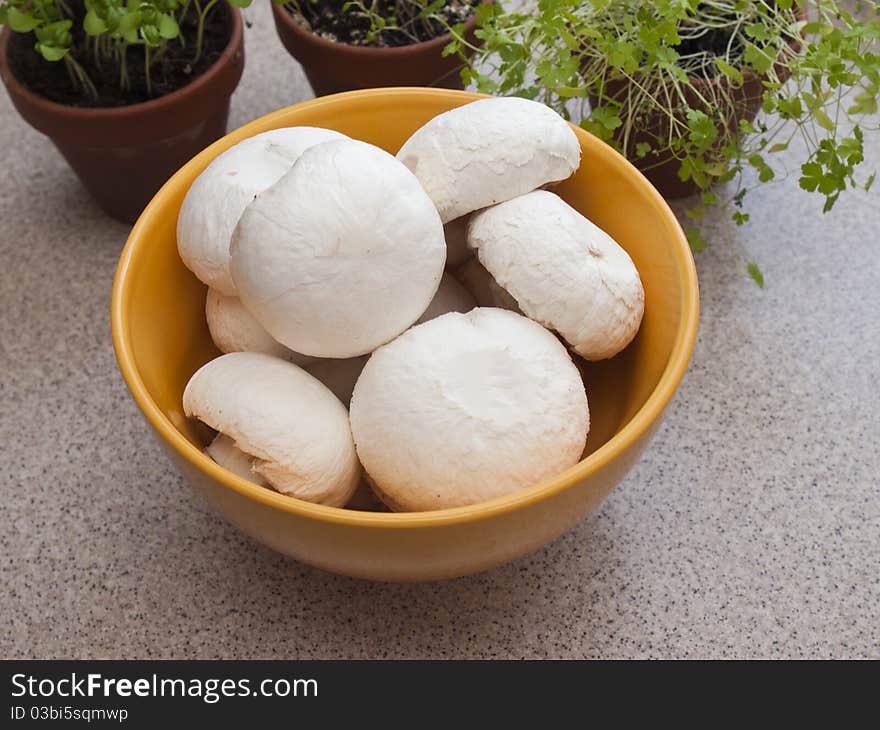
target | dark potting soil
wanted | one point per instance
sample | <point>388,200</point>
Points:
<point>172,71</point>
<point>326,19</point>
<point>713,43</point>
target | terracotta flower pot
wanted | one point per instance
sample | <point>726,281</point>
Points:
<point>333,67</point>
<point>123,155</point>
<point>662,168</point>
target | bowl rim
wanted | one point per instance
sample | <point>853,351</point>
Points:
<point>641,421</point>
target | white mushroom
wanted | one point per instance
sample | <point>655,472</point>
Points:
<point>224,451</point>
<point>234,329</point>
<point>342,254</point>
<point>217,197</point>
<point>468,407</point>
<point>457,251</point>
<point>451,296</point>
<point>483,287</point>
<point>293,427</point>
<point>563,270</point>
<point>489,151</point>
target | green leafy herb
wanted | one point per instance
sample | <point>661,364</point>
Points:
<point>644,76</point>
<point>755,273</point>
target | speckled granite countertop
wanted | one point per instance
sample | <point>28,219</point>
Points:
<point>751,527</point>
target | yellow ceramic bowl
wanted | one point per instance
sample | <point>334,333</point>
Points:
<point>161,338</point>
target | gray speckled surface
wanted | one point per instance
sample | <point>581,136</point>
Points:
<point>751,527</point>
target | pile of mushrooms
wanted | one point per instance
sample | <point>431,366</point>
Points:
<point>398,332</point>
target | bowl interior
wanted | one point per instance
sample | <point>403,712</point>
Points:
<point>162,303</point>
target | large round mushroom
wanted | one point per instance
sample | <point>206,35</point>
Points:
<point>293,428</point>
<point>217,197</point>
<point>563,271</point>
<point>342,254</point>
<point>465,408</point>
<point>490,151</point>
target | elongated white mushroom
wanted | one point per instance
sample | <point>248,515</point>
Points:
<point>234,329</point>
<point>468,407</point>
<point>342,254</point>
<point>563,271</point>
<point>218,196</point>
<point>490,151</point>
<point>224,451</point>
<point>294,428</point>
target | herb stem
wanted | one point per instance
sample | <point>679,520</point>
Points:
<point>147,76</point>
<point>200,32</point>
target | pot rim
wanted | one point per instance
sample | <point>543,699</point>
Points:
<point>626,438</point>
<point>282,16</point>
<point>119,113</point>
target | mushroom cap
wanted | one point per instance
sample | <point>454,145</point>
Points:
<point>451,296</point>
<point>457,251</point>
<point>218,197</point>
<point>224,451</point>
<point>483,287</point>
<point>563,270</point>
<point>489,151</point>
<point>234,329</point>
<point>294,427</point>
<point>342,254</point>
<point>468,407</point>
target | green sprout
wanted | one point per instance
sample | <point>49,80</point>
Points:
<point>108,29</point>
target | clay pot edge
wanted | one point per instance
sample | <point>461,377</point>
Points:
<point>308,36</point>
<point>157,106</point>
